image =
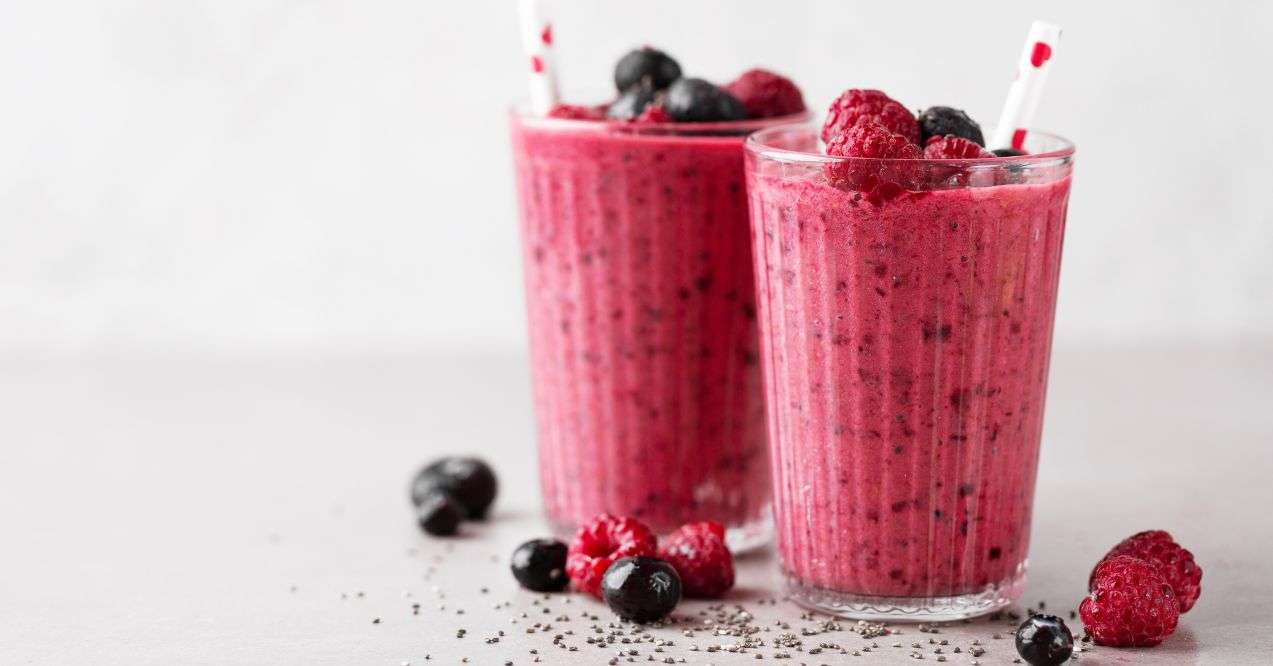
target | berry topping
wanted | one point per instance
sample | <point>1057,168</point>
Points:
<point>600,543</point>
<point>1044,640</point>
<point>439,514</point>
<point>469,481</point>
<point>651,66</point>
<point>540,565</point>
<point>698,553</point>
<point>1174,563</point>
<point>698,101</point>
<point>1130,604</point>
<point>654,113</point>
<point>577,112</point>
<point>854,104</point>
<point>951,147</point>
<point>873,140</point>
<point>1008,152</point>
<point>943,120</point>
<point>641,589</point>
<point>632,102</point>
<point>765,94</point>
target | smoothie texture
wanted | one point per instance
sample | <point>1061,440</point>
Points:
<point>642,318</point>
<point>905,341</point>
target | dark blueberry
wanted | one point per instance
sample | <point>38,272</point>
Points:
<point>1007,152</point>
<point>469,481</point>
<point>439,514</point>
<point>540,565</point>
<point>1044,640</point>
<point>943,120</point>
<point>632,102</point>
<point>641,589</point>
<point>698,101</point>
<point>648,65</point>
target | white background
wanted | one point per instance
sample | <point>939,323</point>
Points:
<point>334,175</point>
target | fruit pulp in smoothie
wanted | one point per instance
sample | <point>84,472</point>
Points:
<point>906,347</point>
<point>640,296</point>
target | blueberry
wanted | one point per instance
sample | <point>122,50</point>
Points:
<point>943,120</point>
<point>540,565</point>
<point>651,66</point>
<point>1007,152</point>
<point>641,589</point>
<point>439,514</point>
<point>632,102</point>
<point>696,100</point>
<point>1044,640</point>
<point>469,481</point>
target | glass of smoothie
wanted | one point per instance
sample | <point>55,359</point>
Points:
<point>642,315</point>
<point>906,310</point>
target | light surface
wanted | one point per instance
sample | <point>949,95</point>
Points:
<point>178,510</point>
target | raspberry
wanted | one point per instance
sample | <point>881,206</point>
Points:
<point>600,543</point>
<point>765,94</point>
<point>578,112</point>
<point>698,553</point>
<point>1174,563</point>
<point>951,147</point>
<point>1130,605</point>
<point>871,139</point>
<point>853,105</point>
<point>653,113</point>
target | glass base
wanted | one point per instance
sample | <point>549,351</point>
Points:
<point>902,609</point>
<point>744,538</point>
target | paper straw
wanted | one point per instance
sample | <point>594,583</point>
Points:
<point>537,40</point>
<point>1027,89</point>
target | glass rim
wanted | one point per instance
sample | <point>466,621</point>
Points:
<point>520,111</point>
<point>760,143</point>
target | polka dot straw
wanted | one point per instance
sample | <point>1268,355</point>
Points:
<point>537,40</point>
<point>1027,88</point>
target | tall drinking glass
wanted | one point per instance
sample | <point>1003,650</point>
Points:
<point>906,312</point>
<point>642,315</point>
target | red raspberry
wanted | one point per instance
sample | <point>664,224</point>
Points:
<point>871,139</point>
<point>951,147</point>
<point>578,112</point>
<point>698,553</point>
<point>1174,564</point>
<point>601,543</point>
<point>854,104</point>
<point>765,94</point>
<point>1130,605</point>
<point>653,113</point>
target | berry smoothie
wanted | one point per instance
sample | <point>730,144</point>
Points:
<point>906,340</point>
<point>641,303</point>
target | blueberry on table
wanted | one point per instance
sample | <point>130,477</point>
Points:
<point>1044,640</point>
<point>699,101</point>
<point>1007,152</point>
<point>641,589</point>
<point>469,481</point>
<point>943,120</point>
<point>439,514</point>
<point>540,565</point>
<point>648,65</point>
<point>632,102</point>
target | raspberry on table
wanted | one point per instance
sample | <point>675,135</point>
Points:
<point>1173,562</point>
<point>1130,604</point>
<point>951,147</point>
<point>602,542</point>
<point>855,105</point>
<point>698,553</point>
<point>873,140</point>
<point>766,94</point>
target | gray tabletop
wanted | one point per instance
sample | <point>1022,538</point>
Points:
<point>252,510</point>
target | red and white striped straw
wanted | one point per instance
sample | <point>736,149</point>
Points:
<point>537,40</point>
<point>1027,89</point>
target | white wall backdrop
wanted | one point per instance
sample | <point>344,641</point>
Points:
<point>328,174</point>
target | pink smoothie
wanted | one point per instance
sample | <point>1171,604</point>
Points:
<point>642,314</point>
<point>906,347</point>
